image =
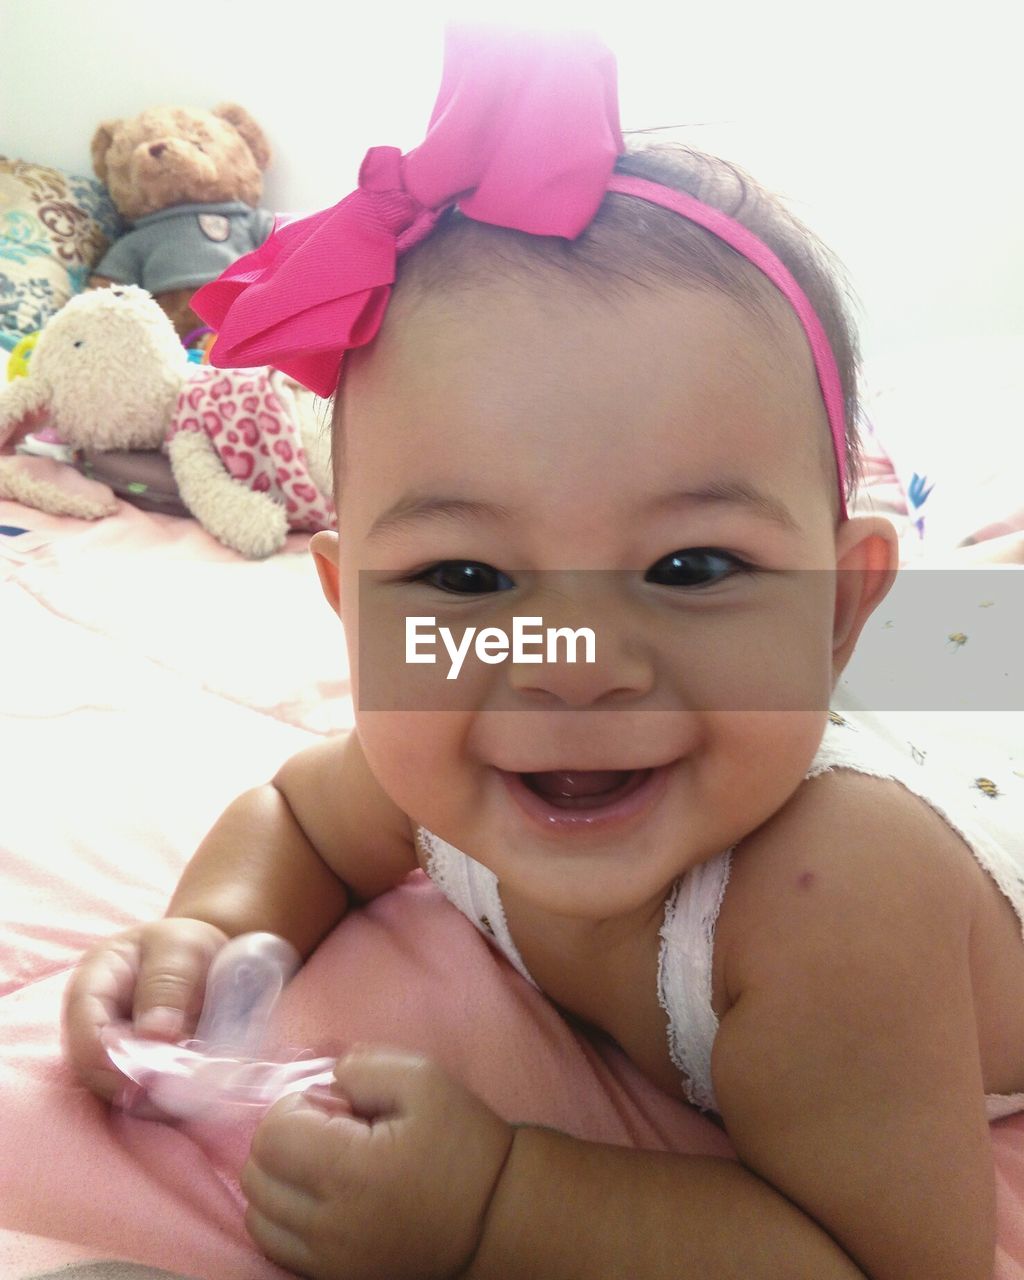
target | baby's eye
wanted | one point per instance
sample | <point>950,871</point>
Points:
<point>465,578</point>
<point>696,567</point>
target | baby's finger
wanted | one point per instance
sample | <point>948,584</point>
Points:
<point>99,993</point>
<point>291,1140</point>
<point>289,1207</point>
<point>278,1243</point>
<point>381,1084</point>
<point>175,959</point>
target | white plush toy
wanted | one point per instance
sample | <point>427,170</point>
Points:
<point>109,373</point>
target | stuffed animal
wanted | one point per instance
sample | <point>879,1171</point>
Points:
<point>109,373</point>
<point>189,182</point>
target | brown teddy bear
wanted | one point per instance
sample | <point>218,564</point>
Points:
<point>189,182</point>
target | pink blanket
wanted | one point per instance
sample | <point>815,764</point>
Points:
<point>148,677</point>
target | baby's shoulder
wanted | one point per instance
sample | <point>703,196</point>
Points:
<point>841,824</point>
<point>851,861</point>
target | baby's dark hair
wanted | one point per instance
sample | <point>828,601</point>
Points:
<point>636,243</point>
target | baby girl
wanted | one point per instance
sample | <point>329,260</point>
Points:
<point>613,390</point>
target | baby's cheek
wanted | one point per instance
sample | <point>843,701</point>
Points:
<point>419,759</point>
<point>770,750</point>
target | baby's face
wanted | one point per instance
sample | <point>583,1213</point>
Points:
<point>525,450</point>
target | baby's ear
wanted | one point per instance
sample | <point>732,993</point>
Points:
<point>867,561</point>
<point>323,547</point>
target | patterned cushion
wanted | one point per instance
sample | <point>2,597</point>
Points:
<point>54,228</point>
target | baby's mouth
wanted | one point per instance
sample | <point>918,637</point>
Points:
<point>585,788</point>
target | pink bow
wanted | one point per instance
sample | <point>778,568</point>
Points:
<point>524,134</point>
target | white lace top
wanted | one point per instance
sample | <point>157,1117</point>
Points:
<point>994,833</point>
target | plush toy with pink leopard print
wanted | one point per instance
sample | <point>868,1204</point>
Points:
<point>248,418</point>
<point>109,373</point>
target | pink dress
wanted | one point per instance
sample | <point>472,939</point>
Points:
<point>256,439</point>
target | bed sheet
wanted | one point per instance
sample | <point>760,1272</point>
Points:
<point>149,676</point>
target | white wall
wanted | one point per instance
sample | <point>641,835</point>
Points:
<point>893,131</point>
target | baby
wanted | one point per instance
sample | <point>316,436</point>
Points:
<point>614,391</point>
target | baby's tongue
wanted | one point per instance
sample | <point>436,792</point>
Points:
<point>575,784</point>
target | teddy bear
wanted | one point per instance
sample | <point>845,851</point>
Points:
<point>189,183</point>
<point>109,373</point>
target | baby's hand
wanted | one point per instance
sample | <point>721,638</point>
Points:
<point>154,975</point>
<point>398,1186</point>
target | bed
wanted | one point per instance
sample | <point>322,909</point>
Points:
<point>149,676</point>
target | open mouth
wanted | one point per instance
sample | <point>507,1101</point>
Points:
<point>583,799</point>
<point>585,788</point>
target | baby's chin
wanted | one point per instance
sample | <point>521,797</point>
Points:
<point>593,892</point>
<point>588,874</point>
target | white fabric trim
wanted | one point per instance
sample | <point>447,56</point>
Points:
<point>473,888</point>
<point>684,973</point>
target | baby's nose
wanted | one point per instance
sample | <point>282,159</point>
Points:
<point>593,652</point>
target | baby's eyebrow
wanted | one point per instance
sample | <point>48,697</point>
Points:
<point>734,493</point>
<point>413,507</point>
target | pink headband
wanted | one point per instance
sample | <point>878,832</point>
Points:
<point>524,134</point>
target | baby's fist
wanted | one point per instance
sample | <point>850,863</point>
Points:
<point>392,1177</point>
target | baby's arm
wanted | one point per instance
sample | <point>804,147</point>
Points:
<point>846,1068</point>
<point>566,1209</point>
<point>290,856</point>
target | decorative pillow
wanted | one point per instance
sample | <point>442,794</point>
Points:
<point>54,228</point>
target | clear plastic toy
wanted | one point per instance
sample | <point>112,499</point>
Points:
<point>219,1069</point>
